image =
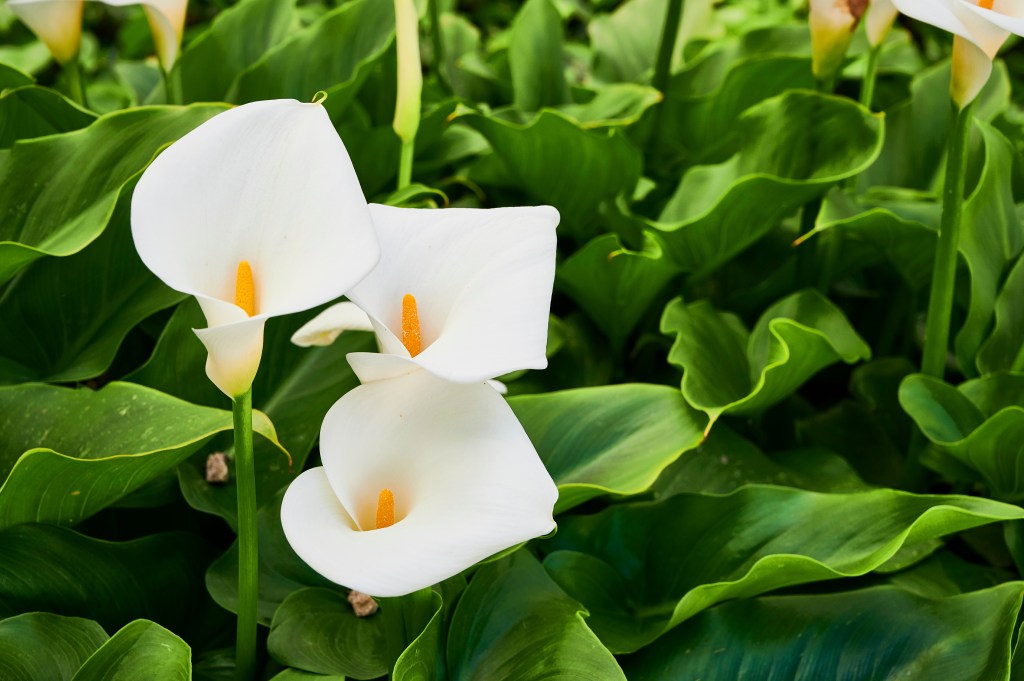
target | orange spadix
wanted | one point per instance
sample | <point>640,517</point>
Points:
<point>385,509</point>
<point>245,289</point>
<point>411,338</point>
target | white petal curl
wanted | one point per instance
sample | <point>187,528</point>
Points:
<point>167,23</point>
<point>466,480</point>
<point>58,23</point>
<point>325,328</point>
<point>482,279</point>
<point>959,18</point>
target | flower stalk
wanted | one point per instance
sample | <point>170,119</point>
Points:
<point>76,86</point>
<point>248,544</point>
<point>940,302</point>
<point>867,85</point>
<point>172,85</point>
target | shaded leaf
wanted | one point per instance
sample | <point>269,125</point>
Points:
<point>535,57</point>
<point>38,646</point>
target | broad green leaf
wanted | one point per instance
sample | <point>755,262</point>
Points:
<point>38,646</point>
<point>539,155</point>
<point>868,634</point>
<point>32,111</point>
<point>615,285</point>
<point>705,127</point>
<point>728,370</point>
<point>513,622</point>
<point>236,38</point>
<point>159,577</point>
<point>791,149</point>
<point>67,453</point>
<point>84,172</point>
<point>980,424</point>
<point>78,309</point>
<point>945,574</point>
<point>316,630</point>
<point>708,549</point>
<point>333,54</point>
<point>991,238</point>
<point>140,649</point>
<point>281,571</point>
<point>11,77</point>
<point>610,440</point>
<point>299,675</point>
<point>295,389</point>
<point>617,105</point>
<point>1003,349</point>
<point>535,57</point>
<point>726,461</point>
<point>625,42</point>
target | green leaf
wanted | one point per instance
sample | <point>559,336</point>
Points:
<point>1003,350</point>
<point>72,452</point>
<point>980,424</point>
<point>757,539</point>
<point>609,440</point>
<point>38,646</point>
<point>236,38</point>
<point>316,630</point>
<point>295,390</point>
<point>535,57</point>
<point>513,622</point>
<point>868,634</point>
<point>537,154</point>
<point>726,461</point>
<point>159,577</point>
<point>78,309</point>
<point>84,172</point>
<point>615,285</point>
<point>992,238</point>
<point>334,54</point>
<point>141,648</point>
<point>31,111</point>
<point>298,675</point>
<point>728,370</point>
<point>616,105</point>
<point>625,42</point>
<point>792,148</point>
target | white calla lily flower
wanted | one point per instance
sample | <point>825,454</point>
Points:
<point>979,30</point>
<point>832,25</point>
<point>881,16</point>
<point>256,213</point>
<point>464,293</point>
<point>421,479</point>
<point>58,23</point>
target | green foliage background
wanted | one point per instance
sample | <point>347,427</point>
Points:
<point>727,415</point>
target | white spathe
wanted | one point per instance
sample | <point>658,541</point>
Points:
<point>979,33</point>
<point>880,18</point>
<point>467,483</point>
<point>58,23</point>
<point>832,24</point>
<point>269,183</point>
<point>482,280</point>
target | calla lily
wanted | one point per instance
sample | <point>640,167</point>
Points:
<point>257,213</point>
<point>464,293</point>
<point>881,16</point>
<point>832,25</point>
<point>979,30</point>
<point>58,23</point>
<point>421,479</point>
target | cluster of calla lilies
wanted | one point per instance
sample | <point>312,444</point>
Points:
<point>426,470</point>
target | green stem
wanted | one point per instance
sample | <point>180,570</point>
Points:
<point>248,546</point>
<point>73,69</point>
<point>172,86</point>
<point>436,41</point>
<point>807,252</point>
<point>867,86</point>
<point>940,301</point>
<point>663,64</point>
<point>405,163</point>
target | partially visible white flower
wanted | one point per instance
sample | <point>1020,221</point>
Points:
<point>421,479</point>
<point>58,23</point>
<point>881,16</point>
<point>979,31</point>
<point>832,25</point>
<point>257,213</point>
<point>463,293</point>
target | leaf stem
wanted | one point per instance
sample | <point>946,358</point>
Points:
<point>172,86</point>
<point>940,301</point>
<point>405,163</point>
<point>437,42</point>
<point>663,63</point>
<point>248,546</point>
<point>867,85</point>
<point>76,88</point>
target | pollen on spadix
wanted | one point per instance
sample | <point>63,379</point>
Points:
<point>986,4</point>
<point>245,289</point>
<point>385,509</point>
<point>411,338</point>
